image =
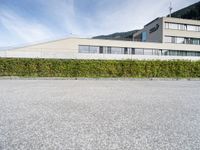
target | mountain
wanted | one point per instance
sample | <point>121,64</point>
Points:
<point>127,36</point>
<point>190,12</point>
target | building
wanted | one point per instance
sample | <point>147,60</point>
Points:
<point>163,38</point>
<point>170,30</point>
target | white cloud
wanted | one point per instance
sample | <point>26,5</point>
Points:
<point>24,29</point>
<point>64,12</point>
<point>110,16</point>
<point>129,15</point>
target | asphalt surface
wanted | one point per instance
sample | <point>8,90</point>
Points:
<point>99,115</point>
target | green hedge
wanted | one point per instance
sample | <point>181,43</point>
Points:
<point>98,68</point>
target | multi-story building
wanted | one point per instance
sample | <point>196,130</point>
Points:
<point>162,38</point>
<point>170,30</point>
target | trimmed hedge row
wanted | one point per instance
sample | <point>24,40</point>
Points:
<point>98,68</point>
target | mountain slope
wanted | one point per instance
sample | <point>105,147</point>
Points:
<point>190,12</point>
<point>127,36</point>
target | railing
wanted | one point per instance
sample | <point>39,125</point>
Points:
<point>61,54</point>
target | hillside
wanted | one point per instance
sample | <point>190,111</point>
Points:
<point>190,12</point>
<point>127,36</point>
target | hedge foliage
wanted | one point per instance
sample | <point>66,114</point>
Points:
<point>98,68</point>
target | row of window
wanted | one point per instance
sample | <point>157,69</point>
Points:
<point>134,51</point>
<point>186,27</point>
<point>181,40</point>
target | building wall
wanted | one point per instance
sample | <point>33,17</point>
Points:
<point>182,21</point>
<point>64,55</point>
<point>180,33</point>
<point>64,45</point>
<point>69,49</point>
<point>159,35</point>
<point>71,45</point>
<point>153,30</point>
<point>156,35</point>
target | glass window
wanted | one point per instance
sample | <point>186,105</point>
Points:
<point>157,52</point>
<point>139,51</point>
<point>197,53</point>
<point>148,52</point>
<point>165,52</point>
<point>144,36</point>
<point>173,39</point>
<point>173,53</point>
<point>191,54</point>
<point>108,50</point>
<point>195,41</point>
<point>177,26</point>
<point>168,39</point>
<point>94,49</point>
<point>133,51</point>
<point>191,28</point>
<point>167,25</point>
<point>183,27</point>
<point>182,53</point>
<point>179,53</point>
<point>173,26</point>
<point>84,49</point>
<point>125,50</point>
<point>101,49</point>
<point>198,28</point>
<point>116,50</point>
<point>180,40</point>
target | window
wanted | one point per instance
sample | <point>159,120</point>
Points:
<point>88,49</point>
<point>173,40</point>
<point>198,28</point>
<point>168,39</point>
<point>197,53</point>
<point>183,27</point>
<point>116,50</point>
<point>180,40</point>
<point>191,28</point>
<point>177,26</point>
<point>173,53</point>
<point>101,49</point>
<point>195,41</point>
<point>144,36</point>
<point>148,52</point>
<point>125,50</point>
<point>165,52</point>
<point>173,26</point>
<point>139,51</point>
<point>133,51</point>
<point>166,25</point>
<point>94,49</point>
<point>182,53</point>
<point>157,52</point>
<point>191,54</point>
<point>108,50</point>
<point>84,49</point>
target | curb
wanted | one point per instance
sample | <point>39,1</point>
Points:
<point>114,79</point>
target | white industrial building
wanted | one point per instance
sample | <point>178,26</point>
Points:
<point>163,38</point>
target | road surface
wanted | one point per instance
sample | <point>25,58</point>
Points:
<point>99,115</point>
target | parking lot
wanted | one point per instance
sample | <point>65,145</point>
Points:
<point>99,114</point>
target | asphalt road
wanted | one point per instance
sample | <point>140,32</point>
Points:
<point>99,115</point>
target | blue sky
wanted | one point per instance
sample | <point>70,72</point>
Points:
<point>29,21</point>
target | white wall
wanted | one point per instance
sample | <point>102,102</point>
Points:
<point>68,49</point>
<point>67,55</point>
